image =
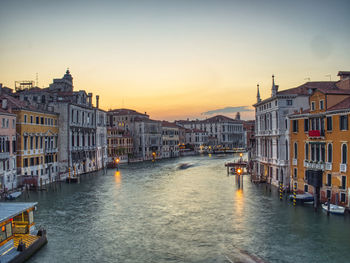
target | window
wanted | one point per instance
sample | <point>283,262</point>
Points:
<point>342,197</point>
<point>323,153</point>
<point>329,123</point>
<point>330,153</point>
<point>321,104</point>
<point>287,150</point>
<point>306,188</point>
<point>289,102</point>
<point>329,179</point>
<point>306,151</point>
<point>42,120</point>
<point>306,125</point>
<point>25,118</point>
<point>295,150</point>
<point>312,105</point>
<point>31,119</point>
<point>295,125</point>
<point>295,173</point>
<point>343,182</point>
<point>329,194</point>
<point>343,121</point>
<point>37,120</point>
<point>344,153</point>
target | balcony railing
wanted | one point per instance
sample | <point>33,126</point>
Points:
<point>343,167</point>
<point>4,155</point>
<point>329,166</point>
<point>314,165</point>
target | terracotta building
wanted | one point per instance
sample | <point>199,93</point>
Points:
<point>319,142</point>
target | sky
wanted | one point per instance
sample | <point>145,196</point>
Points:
<point>175,59</point>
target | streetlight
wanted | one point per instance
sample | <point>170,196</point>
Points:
<point>154,156</point>
<point>117,162</point>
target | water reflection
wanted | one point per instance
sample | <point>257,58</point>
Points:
<point>117,178</point>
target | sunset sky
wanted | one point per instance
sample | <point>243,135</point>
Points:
<point>174,59</point>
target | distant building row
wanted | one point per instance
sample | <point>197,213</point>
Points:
<point>48,134</point>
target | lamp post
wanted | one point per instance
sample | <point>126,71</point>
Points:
<point>117,163</point>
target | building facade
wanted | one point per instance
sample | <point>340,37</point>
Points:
<point>37,143</point>
<point>196,139</point>
<point>8,166</point>
<point>170,140</point>
<point>120,145</point>
<point>271,132</point>
<point>146,133</point>
<point>228,132</point>
<point>319,143</point>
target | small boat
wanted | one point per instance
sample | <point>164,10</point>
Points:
<point>303,198</point>
<point>184,165</point>
<point>334,209</point>
<point>13,196</point>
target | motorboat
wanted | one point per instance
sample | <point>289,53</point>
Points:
<point>333,209</point>
<point>303,198</point>
<point>13,195</point>
<point>184,166</point>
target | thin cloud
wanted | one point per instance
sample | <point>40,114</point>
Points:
<point>227,110</point>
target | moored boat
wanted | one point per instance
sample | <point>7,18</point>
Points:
<point>334,209</point>
<point>13,195</point>
<point>19,239</point>
<point>303,198</point>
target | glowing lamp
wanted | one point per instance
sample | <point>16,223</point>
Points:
<point>239,171</point>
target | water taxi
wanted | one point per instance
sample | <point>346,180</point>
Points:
<point>19,239</point>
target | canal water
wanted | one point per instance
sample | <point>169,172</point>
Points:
<point>156,212</point>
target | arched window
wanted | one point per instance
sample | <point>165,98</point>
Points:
<point>330,153</point>
<point>344,153</point>
<point>295,150</point>
<point>306,151</point>
<point>287,157</point>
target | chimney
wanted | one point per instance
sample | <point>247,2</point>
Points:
<point>4,104</point>
<point>344,82</point>
<point>97,99</point>
<point>90,99</point>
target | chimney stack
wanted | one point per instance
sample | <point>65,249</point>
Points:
<point>90,99</point>
<point>97,99</point>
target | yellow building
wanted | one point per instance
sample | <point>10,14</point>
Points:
<point>320,141</point>
<point>37,146</point>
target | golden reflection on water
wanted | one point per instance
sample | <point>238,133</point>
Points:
<point>239,203</point>
<point>118,178</point>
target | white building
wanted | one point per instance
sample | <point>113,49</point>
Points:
<point>271,132</point>
<point>228,133</point>
<point>101,137</point>
<point>198,139</point>
<point>170,140</point>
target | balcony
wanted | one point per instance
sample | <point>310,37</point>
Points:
<point>343,167</point>
<point>314,165</point>
<point>316,133</point>
<point>4,155</point>
<point>329,166</point>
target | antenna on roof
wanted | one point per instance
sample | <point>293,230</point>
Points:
<point>37,79</point>
<point>330,77</point>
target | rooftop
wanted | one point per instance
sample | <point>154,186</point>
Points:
<point>9,210</point>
